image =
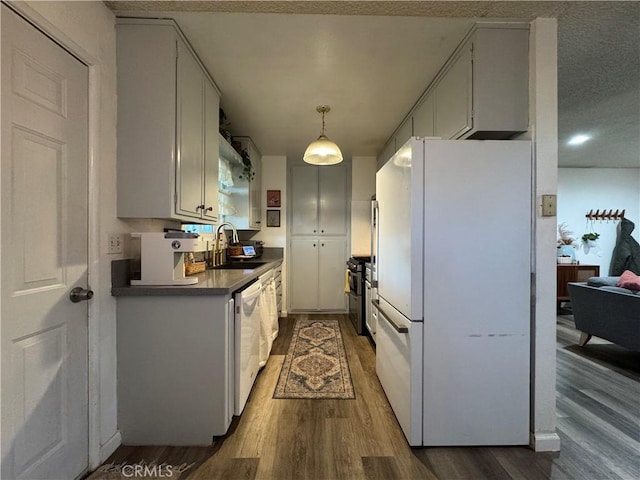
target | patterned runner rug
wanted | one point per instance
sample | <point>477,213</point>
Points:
<point>316,364</point>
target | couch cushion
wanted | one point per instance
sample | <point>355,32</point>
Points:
<point>603,281</point>
<point>629,280</point>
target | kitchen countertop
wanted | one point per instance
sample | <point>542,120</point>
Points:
<point>210,282</point>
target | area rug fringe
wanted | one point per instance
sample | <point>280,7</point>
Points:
<point>315,366</point>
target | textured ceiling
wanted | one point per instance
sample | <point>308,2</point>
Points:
<point>371,60</point>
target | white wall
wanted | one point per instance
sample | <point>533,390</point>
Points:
<point>274,177</point>
<point>363,186</point>
<point>543,117</point>
<point>583,189</point>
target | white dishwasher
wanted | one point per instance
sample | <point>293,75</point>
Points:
<point>247,342</point>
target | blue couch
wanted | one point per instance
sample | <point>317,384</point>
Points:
<point>602,309</point>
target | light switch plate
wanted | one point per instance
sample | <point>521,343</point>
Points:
<point>549,205</point>
<point>115,243</point>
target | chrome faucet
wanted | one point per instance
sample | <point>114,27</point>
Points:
<point>219,256</point>
<point>234,237</point>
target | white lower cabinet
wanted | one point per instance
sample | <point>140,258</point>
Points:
<point>318,274</point>
<point>175,369</point>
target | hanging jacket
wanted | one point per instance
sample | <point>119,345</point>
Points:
<point>626,253</point>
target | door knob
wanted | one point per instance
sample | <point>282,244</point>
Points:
<point>79,294</point>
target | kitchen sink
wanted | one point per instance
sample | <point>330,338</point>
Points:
<point>240,266</point>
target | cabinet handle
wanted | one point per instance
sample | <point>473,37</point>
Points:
<point>314,245</point>
<point>397,328</point>
<point>322,245</point>
<point>258,221</point>
<point>209,209</point>
<point>314,231</point>
<point>199,207</point>
<point>321,231</point>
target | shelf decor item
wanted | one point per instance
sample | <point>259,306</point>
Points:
<point>273,198</point>
<point>273,218</point>
<point>566,245</point>
<point>247,168</point>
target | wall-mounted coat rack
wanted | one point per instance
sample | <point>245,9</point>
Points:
<point>604,215</point>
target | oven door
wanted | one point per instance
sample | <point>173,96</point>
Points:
<point>354,283</point>
<point>355,312</point>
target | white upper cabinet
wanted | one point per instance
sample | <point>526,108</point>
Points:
<point>246,193</point>
<point>404,133</point>
<point>167,126</point>
<point>453,101</point>
<point>211,148</point>
<point>319,196</point>
<point>482,92</point>
<point>424,117</point>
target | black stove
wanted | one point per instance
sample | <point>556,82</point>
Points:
<point>355,266</point>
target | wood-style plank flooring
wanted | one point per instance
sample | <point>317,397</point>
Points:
<point>598,401</point>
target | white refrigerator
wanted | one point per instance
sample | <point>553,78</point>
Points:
<point>454,288</point>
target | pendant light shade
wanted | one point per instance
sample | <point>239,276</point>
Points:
<point>323,151</point>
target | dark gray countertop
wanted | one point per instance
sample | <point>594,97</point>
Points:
<point>210,282</point>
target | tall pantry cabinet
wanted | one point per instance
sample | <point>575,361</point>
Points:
<point>319,219</point>
<point>168,116</point>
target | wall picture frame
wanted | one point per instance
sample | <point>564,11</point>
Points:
<point>273,198</point>
<point>273,218</point>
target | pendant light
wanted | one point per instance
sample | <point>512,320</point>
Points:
<point>323,151</point>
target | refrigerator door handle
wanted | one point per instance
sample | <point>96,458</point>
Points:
<point>398,328</point>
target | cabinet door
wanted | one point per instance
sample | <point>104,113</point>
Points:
<point>304,274</point>
<point>331,276</point>
<point>190,129</point>
<point>404,132</point>
<point>211,116</point>
<point>387,153</point>
<point>423,118</point>
<point>255,191</point>
<point>333,200</point>
<point>304,200</point>
<point>453,98</point>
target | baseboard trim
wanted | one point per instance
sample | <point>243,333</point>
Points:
<point>544,442</point>
<point>110,446</point>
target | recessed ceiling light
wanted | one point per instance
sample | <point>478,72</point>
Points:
<point>578,139</point>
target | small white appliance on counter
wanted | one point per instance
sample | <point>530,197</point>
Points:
<point>454,287</point>
<point>162,257</point>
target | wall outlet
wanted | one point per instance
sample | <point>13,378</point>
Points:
<point>115,243</point>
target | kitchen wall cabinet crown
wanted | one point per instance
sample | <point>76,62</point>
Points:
<point>168,115</point>
<point>247,194</point>
<point>481,92</point>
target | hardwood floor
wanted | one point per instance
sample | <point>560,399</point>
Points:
<point>598,420</point>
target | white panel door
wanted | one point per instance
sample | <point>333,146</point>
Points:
<point>190,131</point>
<point>332,267</point>
<point>44,255</point>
